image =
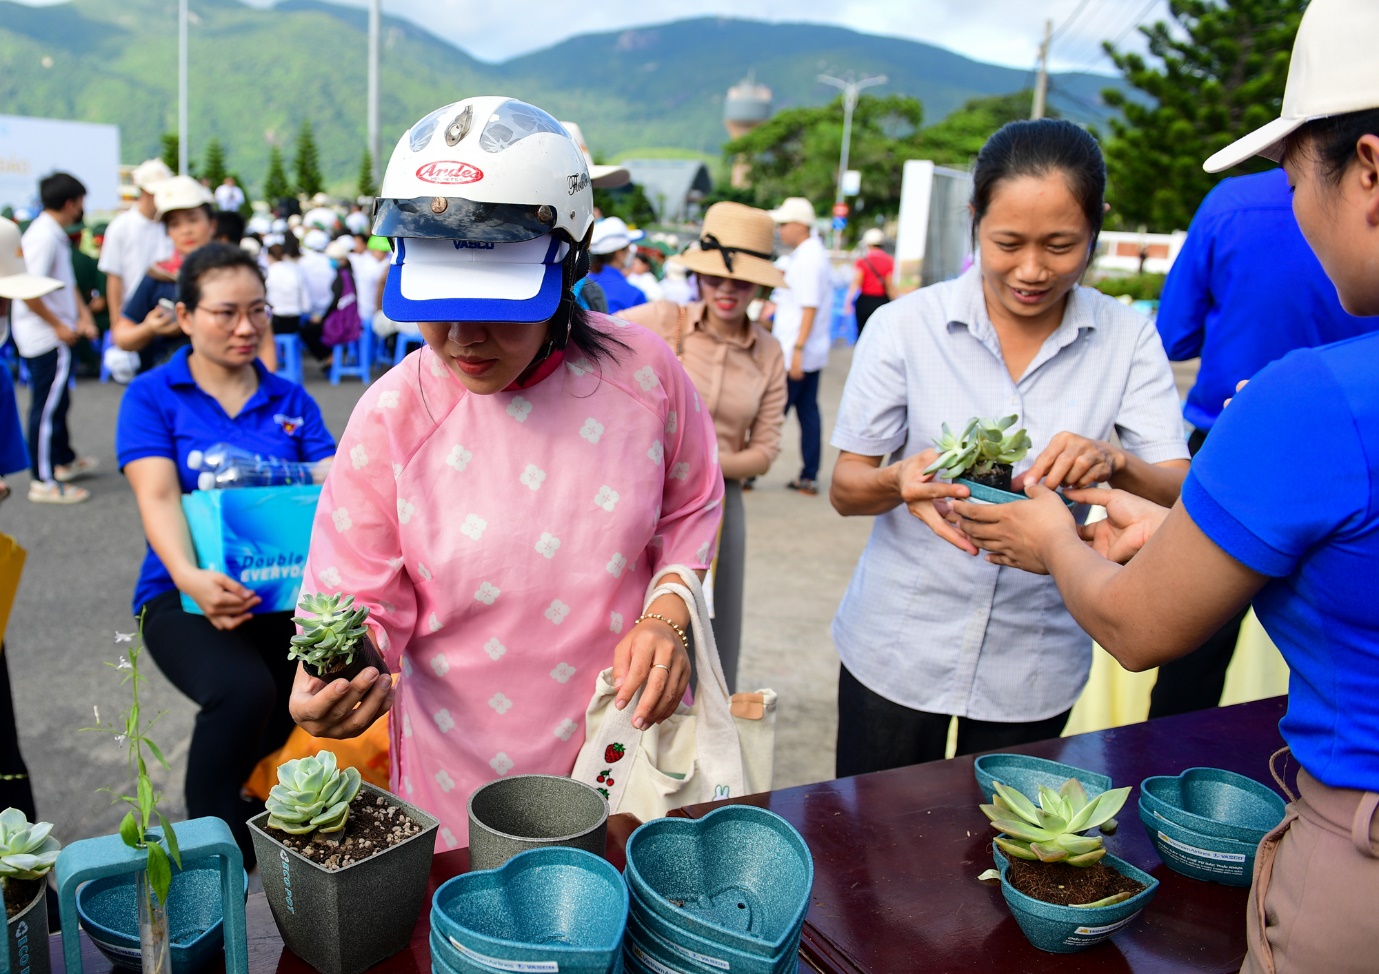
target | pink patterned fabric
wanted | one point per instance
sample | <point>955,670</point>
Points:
<point>503,545</point>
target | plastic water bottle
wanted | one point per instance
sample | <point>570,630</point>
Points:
<point>224,466</point>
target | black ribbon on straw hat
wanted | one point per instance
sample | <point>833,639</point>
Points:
<point>709,242</point>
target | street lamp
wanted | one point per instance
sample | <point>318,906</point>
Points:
<point>850,89</point>
<point>182,147</point>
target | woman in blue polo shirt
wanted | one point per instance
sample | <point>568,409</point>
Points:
<point>1302,546</point>
<point>232,662</point>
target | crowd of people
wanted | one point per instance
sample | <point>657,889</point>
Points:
<point>563,433</point>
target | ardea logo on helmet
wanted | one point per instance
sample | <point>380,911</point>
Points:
<point>449,173</point>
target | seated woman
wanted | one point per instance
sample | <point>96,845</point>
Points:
<point>739,371</point>
<point>232,662</point>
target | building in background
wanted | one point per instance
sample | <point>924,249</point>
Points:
<point>748,105</point>
<point>674,187</point>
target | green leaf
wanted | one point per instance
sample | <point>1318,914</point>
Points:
<point>1099,809</point>
<point>159,871</point>
<point>988,875</point>
<point>129,832</point>
<point>1016,849</point>
<point>157,754</point>
<point>145,791</point>
<point>1048,851</point>
<point>1087,858</point>
<point>171,838</point>
<point>1018,803</point>
<point>1111,900</point>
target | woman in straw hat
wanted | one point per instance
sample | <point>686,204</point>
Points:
<point>1241,533</point>
<point>739,370</point>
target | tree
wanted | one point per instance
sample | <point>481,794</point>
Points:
<point>214,167</point>
<point>1220,71</point>
<point>629,203</point>
<point>307,164</point>
<point>171,149</point>
<point>276,186</point>
<point>365,185</point>
<point>957,139</point>
<point>795,153</point>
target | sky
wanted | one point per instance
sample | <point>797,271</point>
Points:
<point>997,31</point>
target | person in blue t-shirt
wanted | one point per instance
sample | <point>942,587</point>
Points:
<point>1244,291</point>
<point>231,661</point>
<point>608,250</point>
<point>1281,507</point>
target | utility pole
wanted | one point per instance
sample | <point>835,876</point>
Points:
<point>182,87</point>
<point>374,19</point>
<point>1041,83</point>
<point>850,89</point>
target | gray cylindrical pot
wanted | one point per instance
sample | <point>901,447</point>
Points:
<point>345,921</point>
<point>28,936</point>
<point>531,811</point>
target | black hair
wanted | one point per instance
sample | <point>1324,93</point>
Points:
<point>292,247</point>
<point>204,260</point>
<point>1038,148</point>
<point>592,340</point>
<point>229,226</point>
<point>1332,140</point>
<point>59,189</point>
<point>205,208</point>
<point>275,251</point>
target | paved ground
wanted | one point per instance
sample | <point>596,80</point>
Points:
<point>83,561</point>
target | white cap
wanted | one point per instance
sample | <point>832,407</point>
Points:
<point>600,177</point>
<point>16,282</point>
<point>612,235</point>
<point>873,237</point>
<point>1332,72</point>
<point>316,239</point>
<point>251,246</point>
<point>149,173</point>
<point>796,209</point>
<point>340,248</point>
<point>180,193</point>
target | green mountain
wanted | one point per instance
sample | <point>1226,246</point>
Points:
<point>256,73</point>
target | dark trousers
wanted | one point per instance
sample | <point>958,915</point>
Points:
<point>241,679</point>
<point>865,306</point>
<point>1195,681</point>
<point>803,397</point>
<point>875,734</point>
<point>49,444</point>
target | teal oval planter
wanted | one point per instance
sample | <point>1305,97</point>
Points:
<point>678,948</point>
<point>982,494</point>
<point>1210,801</point>
<point>1209,858</point>
<point>1025,774</point>
<point>1069,929</point>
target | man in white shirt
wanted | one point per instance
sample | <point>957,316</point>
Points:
<point>802,310</point>
<point>228,195</point>
<point>45,329</point>
<point>135,240</point>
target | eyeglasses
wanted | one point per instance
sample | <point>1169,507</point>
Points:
<point>227,319</point>
<point>718,283</point>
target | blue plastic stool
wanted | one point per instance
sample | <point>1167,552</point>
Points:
<point>405,343</point>
<point>88,859</point>
<point>289,357</point>
<point>353,360</point>
<point>107,340</point>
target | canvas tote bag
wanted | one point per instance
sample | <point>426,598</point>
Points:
<point>718,747</point>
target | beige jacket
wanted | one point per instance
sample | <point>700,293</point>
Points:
<point>741,380</point>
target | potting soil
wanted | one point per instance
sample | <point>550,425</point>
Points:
<point>19,893</point>
<point>1065,885</point>
<point>373,826</point>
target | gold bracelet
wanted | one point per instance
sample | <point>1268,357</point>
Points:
<point>656,615</point>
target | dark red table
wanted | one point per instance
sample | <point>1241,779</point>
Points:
<point>897,854</point>
<point>896,859</point>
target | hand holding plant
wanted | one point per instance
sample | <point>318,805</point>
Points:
<point>1071,460</point>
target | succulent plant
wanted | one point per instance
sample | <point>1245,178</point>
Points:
<point>982,444</point>
<point>312,794</point>
<point>1052,830</point>
<point>328,641</point>
<point>27,851</point>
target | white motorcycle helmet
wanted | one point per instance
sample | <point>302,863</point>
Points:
<point>488,205</point>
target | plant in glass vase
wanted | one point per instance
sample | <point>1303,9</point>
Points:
<point>145,829</point>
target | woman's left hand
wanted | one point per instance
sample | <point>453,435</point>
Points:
<point>1072,461</point>
<point>651,654</point>
<point>1018,534</point>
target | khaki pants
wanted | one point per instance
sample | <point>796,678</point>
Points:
<point>1314,905</point>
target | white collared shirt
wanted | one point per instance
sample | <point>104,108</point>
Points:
<point>923,624</point>
<point>809,284</point>
<point>47,253</point>
<point>133,244</point>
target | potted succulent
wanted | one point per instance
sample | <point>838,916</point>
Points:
<point>27,855</point>
<point>333,642</point>
<point>984,453</point>
<point>344,864</point>
<point>1065,891</point>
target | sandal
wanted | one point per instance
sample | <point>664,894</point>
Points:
<point>78,468</point>
<point>809,488</point>
<point>4,490</point>
<point>56,493</point>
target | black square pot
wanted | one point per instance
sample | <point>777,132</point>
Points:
<point>345,921</point>
<point>28,936</point>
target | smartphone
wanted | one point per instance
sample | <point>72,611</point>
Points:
<point>167,305</point>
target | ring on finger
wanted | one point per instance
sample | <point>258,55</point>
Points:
<point>662,666</point>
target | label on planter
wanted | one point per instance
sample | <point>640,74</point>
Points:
<point>519,966</point>
<point>705,959</point>
<point>1101,931</point>
<point>651,963</point>
<point>1192,850</point>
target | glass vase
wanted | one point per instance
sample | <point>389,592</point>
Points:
<point>155,946</point>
